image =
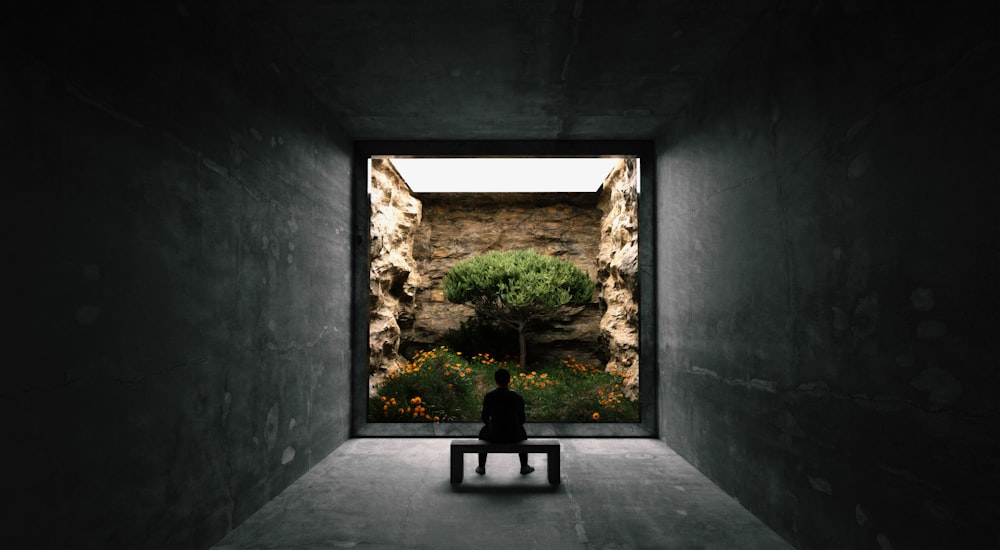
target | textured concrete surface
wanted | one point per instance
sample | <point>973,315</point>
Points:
<point>829,276</point>
<point>548,69</point>
<point>181,308</point>
<point>394,493</point>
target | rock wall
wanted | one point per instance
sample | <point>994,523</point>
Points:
<point>415,242</point>
<point>395,215</point>
<point>618,273</point>
<point>458,226</point>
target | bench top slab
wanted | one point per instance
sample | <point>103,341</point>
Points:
<point>525,443</point>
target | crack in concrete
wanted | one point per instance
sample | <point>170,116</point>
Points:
<point>745,182</point>
<point>80,94</point>
<point>227,454</point>
<point>567,61</point>
<point>577,23</point>
<point>909,476</point>
<point>220,169</point>
<point>578,523</point>
<point>819,389</point>
<point>418,489</point>
<point>768,386</point>
<point>98,379</point>
<point>294,346</point>
<point>35,389</point>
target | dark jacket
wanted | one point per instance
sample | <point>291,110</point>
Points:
<point>503,414</point>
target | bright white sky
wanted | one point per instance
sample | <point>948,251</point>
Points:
<point>455,175</point>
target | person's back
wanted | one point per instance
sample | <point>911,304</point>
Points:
<point>503,419</point>
<point>503,416</point>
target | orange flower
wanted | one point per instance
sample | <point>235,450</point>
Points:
<point>596,416</point>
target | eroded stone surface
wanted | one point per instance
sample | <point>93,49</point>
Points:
<point>395,214</point>
<point>618,273</point>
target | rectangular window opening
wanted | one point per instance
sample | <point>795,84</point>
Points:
<point>426,344</point>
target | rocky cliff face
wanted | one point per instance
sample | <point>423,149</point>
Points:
<point>395,215</point>
<point>618,272</point>
<point>458,226</point>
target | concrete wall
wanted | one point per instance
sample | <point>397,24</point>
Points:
<point>177,235</point>
<point>828,277</point>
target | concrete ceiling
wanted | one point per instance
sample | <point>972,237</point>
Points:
<point>531,69</point>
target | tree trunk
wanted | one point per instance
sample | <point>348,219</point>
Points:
<point>523,347</point>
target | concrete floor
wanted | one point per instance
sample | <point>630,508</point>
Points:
<point>394,493</point>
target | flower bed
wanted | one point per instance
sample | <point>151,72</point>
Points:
<point>442,385</point>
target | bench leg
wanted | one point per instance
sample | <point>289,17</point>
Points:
<point>554,467</point>
<point>457,465</point>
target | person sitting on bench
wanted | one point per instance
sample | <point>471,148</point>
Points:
<point>503,416</point>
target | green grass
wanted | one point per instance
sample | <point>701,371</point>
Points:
<point>442,385</point>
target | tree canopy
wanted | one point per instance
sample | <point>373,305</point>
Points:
<point>517,287</point>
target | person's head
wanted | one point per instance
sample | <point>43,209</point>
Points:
<point>502,377</point>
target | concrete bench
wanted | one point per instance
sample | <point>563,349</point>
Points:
<point>461,446</point>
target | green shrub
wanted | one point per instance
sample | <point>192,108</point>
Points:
<point>517,288</point>
<point>434,387</point>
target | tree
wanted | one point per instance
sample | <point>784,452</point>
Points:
<point>517,288</point>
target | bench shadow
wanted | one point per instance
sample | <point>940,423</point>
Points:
<point>503,489</point>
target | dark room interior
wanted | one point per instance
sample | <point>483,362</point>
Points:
<point>823,274</point>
